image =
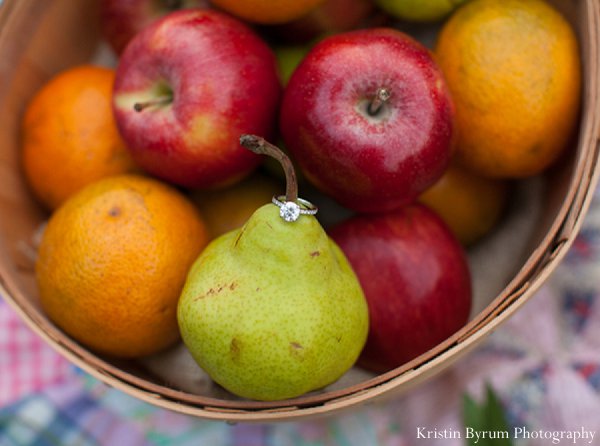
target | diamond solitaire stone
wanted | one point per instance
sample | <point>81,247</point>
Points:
<point>289,211</point>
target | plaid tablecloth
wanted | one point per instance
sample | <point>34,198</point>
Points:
<point>544,363</point>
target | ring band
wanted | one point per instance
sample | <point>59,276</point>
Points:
<point>290,211</point>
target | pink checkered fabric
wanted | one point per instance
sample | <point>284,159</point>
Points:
<point>27,364</point>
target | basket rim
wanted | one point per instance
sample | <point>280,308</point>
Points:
<point>541,263</point>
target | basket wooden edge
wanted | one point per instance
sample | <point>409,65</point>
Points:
<point>567,222</point>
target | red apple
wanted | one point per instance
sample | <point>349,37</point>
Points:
<point>416,280</point>
<point>370,154</point>
<point>186,88</point>
<point>123,19</point>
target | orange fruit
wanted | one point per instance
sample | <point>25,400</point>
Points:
<point>70,138</point>
<point>113,261</point>
<point>514,72</point>
<point>267,11</point>
<point>228,209</point>
<point>470,205</point>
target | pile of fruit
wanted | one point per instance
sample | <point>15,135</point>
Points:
<point>175,214</point>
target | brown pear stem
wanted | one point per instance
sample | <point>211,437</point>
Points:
<point>260,146</point>
<point>381,97</point>
<point>161,100</point>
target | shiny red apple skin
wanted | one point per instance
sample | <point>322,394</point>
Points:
<point>416,280</point>
<point>122,19</point>
<point>369,163</point>
<point>224,83</point>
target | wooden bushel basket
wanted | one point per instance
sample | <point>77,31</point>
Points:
<point>40,38</point>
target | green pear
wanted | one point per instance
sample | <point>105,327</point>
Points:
<point>273,310</point>
<point>419,10</point>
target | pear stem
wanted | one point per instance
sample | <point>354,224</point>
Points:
<point>381,97</point>
<point>161,100</point>
<point>260,146</point>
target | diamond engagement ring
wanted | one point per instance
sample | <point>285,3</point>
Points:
<point>290,211</point>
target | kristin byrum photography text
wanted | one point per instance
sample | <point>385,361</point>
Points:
<point>575,436</point>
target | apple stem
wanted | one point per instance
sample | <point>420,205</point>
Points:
<point>161,100</point>
<point>381,96</point>
<point>260,146</point>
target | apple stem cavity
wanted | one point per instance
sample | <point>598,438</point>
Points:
<point>381,97</point>
<point>161,100</point>
<point>260,146</point>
